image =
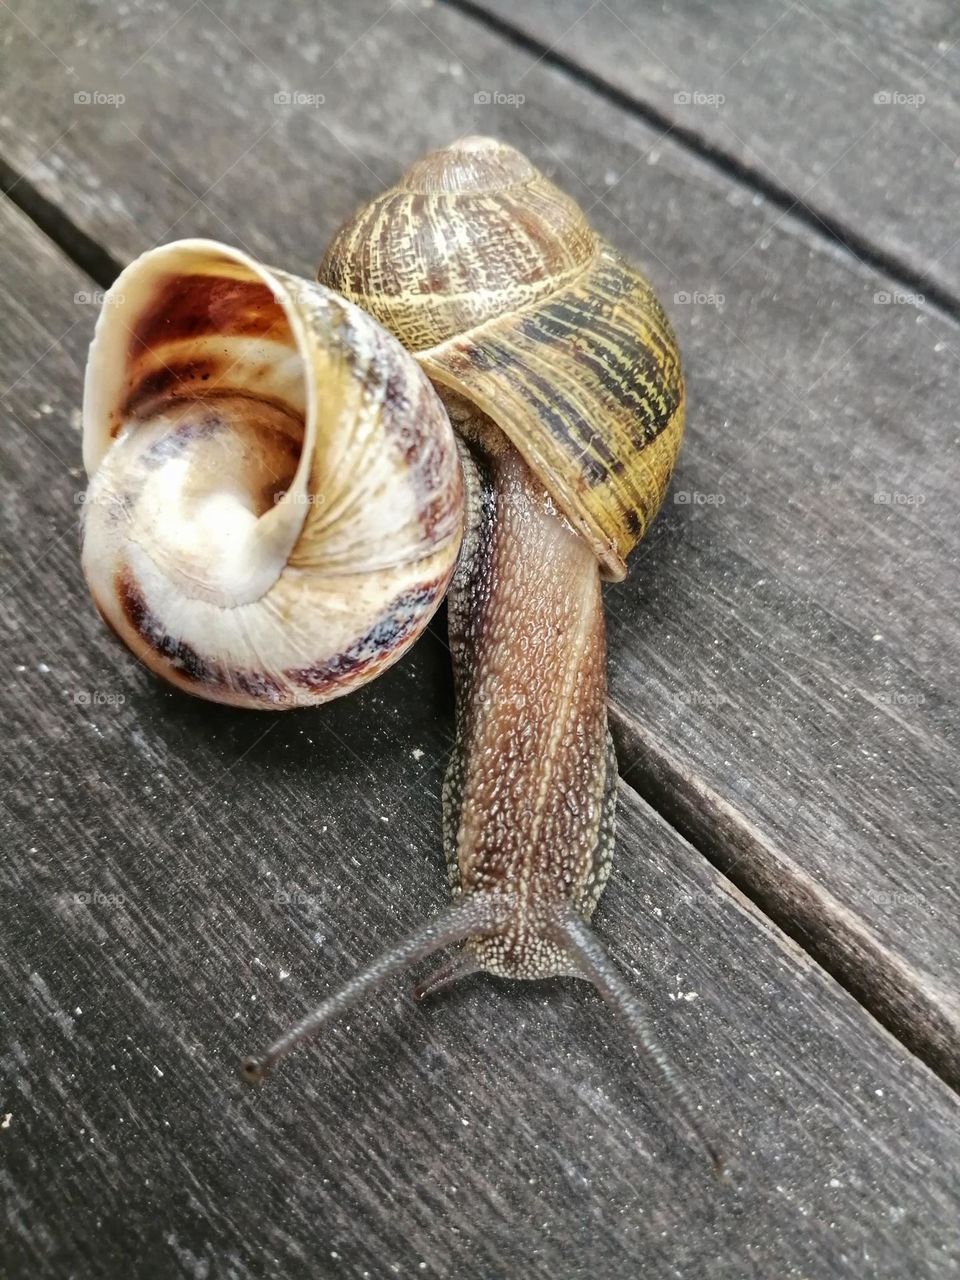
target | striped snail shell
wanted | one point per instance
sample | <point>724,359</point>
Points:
<point>492,276</point>
<point>561,374</point>
<point>275,502</point>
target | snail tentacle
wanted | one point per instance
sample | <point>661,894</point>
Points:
<point>594,963</point>
<point>475,916</point>
<point>461,966</point>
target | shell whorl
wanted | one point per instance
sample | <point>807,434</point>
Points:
<point>468,233</point>
<point>493,278</point>
<point>275,502</point>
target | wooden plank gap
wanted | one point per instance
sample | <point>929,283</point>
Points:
<point>826,226</point>
<point>835,937</point>
<point>57,225</point>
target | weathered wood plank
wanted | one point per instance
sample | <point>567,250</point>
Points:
<point>181,879</point>
<point>791,636</point>
<point>852,110</point>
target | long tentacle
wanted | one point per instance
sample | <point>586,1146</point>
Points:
<point>595,964</point>
<point>478,914</point>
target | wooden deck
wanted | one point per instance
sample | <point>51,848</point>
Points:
<point>179,881</point>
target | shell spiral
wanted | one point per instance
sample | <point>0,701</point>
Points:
<point>275,501</point>
<point>493,278</point>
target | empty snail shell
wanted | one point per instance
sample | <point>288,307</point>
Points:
<point>275,503</point>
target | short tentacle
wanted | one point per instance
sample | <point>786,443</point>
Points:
<point>461,966</point>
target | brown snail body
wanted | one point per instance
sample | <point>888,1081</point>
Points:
<point>560,374</point>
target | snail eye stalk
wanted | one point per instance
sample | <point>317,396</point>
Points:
<point>478,915</point>
<point>591,958</point>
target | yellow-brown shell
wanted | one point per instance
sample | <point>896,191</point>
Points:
<point>493,278</point>
<point>275,503</point>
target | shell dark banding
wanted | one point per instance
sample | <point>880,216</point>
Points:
<point>180,345</point>
<point>167,381</point>
<point>197,306</point>
<point>370,651</point>
<point>587,387</point>
<point>375,646</point>
<point>188,663</point>
<point>407,424</point>
<point>494,278</point>
<point>517,238</point>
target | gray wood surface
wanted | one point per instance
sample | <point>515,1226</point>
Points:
<point>180,880</point>
<point>847,113</point>
<point>789,634</point>
<point>234,865</point>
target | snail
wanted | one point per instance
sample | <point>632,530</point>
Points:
<point>553,360</point>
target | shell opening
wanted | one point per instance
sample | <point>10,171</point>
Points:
<point>195,416</point>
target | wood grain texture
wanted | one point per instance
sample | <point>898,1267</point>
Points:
<point>788,631</point>
<point>181,879</point>
<point>847,112</point>
<point>230,867</point>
